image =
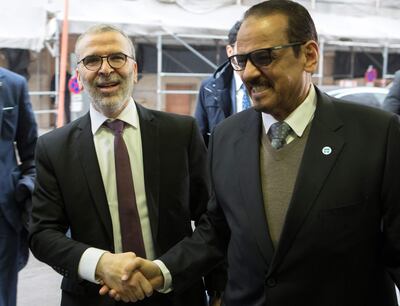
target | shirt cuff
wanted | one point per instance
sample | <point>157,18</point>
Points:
<point>88,263</point>
<point>167,277</point>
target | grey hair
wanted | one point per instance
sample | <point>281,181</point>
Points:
<point>102,28</point>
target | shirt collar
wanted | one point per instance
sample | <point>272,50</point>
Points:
<point>300,117</point>
<point>238,80</point>
<point>129,115</point>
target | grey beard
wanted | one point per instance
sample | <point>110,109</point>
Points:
<point>112,104</point>
<point>109,109</point>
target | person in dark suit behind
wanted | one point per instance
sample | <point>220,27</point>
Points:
<point>17,126</point>
<point>305,186</point>
<point>392,100</point>
<point>222,94</point>
<point>67,96</point>
<point>81,186</point>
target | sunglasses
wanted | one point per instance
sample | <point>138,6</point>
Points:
<point>115,60</point>
<point>259,58</point>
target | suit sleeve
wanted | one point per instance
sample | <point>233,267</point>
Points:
<point>391,200</point>
<point>201,253</point>
<point>49,223</point>
<point>392,100</point>
<point>215,280</point>
<point>26,137</point>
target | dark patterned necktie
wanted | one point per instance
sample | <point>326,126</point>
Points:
<point>246,99</point>
<point>278,133</point>
<point>131,231</point>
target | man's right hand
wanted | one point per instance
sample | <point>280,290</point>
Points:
<point>132,278</point>
<point>111,269</point>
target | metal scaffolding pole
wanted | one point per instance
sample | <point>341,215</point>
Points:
<point>385,55</point>
<point>193,50</point>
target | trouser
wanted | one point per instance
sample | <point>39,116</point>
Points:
<point>9,246</point>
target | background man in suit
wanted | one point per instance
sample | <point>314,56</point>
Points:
<point>79,186</point>
<point>305,187</point>
<point>67,97</point>
<point>392,100</point>
<point>222,94</point>
<point>17,125</point>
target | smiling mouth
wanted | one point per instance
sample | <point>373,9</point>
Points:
<point>259,91</point>
<point>259,88</point>
<point>108,87</point>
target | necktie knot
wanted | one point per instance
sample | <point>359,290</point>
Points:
<point>278,133</point>
<point>117,126</point>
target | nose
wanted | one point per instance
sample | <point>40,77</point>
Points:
<point>105,67</point>
<point>250,72</point>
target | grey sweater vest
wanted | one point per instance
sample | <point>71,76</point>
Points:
<point>278,171</point>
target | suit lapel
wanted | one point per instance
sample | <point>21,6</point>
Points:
<point>91,169</point>
<point>314,170</point>
<point>247,155</point>
<point>151,163</point>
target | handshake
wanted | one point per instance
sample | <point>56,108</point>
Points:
<point>127,277</point>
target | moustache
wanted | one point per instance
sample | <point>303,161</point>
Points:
<point>106,80</point>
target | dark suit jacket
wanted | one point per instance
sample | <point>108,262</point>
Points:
<point>216,100</point>
<point>70,193</point>
<point>17,124</point>
<point>340,244</point>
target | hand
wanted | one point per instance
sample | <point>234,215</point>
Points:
<point>215,301</point>
<point>145,268</point>
<point>149,269</point>
<point>111,268</point>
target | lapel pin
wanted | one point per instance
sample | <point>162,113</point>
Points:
<point>326,150</point>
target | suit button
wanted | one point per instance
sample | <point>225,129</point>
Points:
<point>271,282</point>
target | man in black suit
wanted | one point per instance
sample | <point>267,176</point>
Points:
<point>78,182</point>
<point>18,130</point>
<point>305,187</point>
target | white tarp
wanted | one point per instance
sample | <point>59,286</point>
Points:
<point>23,24</point>
<point>358,28</point>
<point>150,17</point>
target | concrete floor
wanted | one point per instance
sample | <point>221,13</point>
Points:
<point>38,284</point>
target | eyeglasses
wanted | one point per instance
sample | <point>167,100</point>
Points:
<point>259,58</point>
<point>94,62</point>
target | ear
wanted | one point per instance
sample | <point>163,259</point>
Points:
<point>135,72</point>
<point>229,50</point>
<point>78,76</point>
<point>311,52</point>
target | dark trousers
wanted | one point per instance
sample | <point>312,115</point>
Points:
<point>9,246</point>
